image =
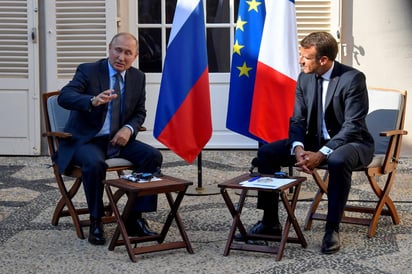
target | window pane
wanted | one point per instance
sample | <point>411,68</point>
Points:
<point>217,11</point>
<point>218,49</point>
<point>170,10</point>
<point>150,50</point>
<point>236,2</point>
<point>149,11</point>
<point>168,31</point>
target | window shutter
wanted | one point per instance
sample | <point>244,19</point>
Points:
<point>316,16</point>
<point>14,57</point>
<point>81,33</point>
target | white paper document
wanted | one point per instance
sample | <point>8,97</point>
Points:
<point>266,182</point>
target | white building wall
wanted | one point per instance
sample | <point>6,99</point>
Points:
<point>378,39</point>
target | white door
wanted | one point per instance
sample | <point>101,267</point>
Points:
<point>19,92</point>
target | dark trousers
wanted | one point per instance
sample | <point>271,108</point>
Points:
<point>341,162</point>
<point>91,158</point>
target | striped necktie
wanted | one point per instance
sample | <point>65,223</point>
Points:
<point>116,107</point>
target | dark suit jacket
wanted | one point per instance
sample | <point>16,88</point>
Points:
<point>346,107</point>
<point>86,121</point>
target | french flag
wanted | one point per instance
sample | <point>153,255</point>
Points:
<point>249,28</point>
<point>264,70</point>
<point>277,72</point>
<point>183,120</point>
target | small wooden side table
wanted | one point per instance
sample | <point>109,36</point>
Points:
<point>237,223</point>
<point>166,185</point>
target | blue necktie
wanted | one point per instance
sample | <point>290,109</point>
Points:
<point>114,151</point>
<point>116,107</point>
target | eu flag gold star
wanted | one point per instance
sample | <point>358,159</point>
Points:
<point>237,47</point>
<point>253,5</point>
<point>244,70</point>
<point>240,23</point>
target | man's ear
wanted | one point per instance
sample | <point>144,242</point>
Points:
<point>323,60</point>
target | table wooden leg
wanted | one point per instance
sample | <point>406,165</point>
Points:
<point>236,222</point>
<point>121,228</point>
<point>174,214</point>
<point>291,219</point>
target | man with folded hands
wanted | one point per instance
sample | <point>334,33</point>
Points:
<point>331,131</point>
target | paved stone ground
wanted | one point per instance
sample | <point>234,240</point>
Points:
<point>30,244</point>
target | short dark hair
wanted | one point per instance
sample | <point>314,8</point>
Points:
<point>126,34</point>
<point>324,43</point>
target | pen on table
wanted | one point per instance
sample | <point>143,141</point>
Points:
<point>265,185</point>
<point>253,179</point>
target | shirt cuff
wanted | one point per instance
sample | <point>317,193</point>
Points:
<point>295,144</point>
<point>326,151</point>
<point>130,127</point>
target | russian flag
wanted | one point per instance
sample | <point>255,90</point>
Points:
<point>183,120</point>
<point>276,71</point>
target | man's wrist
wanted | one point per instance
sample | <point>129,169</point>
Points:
<point>295,145</point>
<point>92,101</point>
<point>129,127</point>
<point>326,151</point>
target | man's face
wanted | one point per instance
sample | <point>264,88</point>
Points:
<point>308,60</point>
<point>122,53</point>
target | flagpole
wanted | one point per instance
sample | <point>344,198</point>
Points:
<point>200,190</point>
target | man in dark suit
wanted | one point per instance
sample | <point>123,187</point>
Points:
<point>91,97</point>
<point>336,136</point>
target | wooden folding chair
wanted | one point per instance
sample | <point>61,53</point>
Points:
<point>385,121</point>
<point>55,119</point>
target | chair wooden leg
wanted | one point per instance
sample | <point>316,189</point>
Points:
<point>116,197</point>
<point>312,210</point>
<point>384,199</point>
<point>384,194</point>
<point>323,189</point>
<point>66,201</point>
<point>375,212</point>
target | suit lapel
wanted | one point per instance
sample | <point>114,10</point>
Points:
<point>104,75</point>
<point>104,81</point>
<point>127,94</point>
<point>333,83</point>
<point>312,99</point>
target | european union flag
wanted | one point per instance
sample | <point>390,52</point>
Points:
<point>248,36</point>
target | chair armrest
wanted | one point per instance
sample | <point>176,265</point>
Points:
<point>393,132</point>
<point>392,154</point>
<point>57,134</point>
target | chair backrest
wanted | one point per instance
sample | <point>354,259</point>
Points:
<point>386,112</point>
<point>55,118</point>
<point>58,116</point>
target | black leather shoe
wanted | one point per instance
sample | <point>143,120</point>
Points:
<point>140,228</point>
<point>331,242</point>
<point>260,228</point>
<point>96,233</point>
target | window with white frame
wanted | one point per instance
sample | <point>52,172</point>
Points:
<point>155,20</point>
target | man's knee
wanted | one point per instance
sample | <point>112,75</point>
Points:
<point>156,156</point>
<point>93,163</point>
<point>337,162</point>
